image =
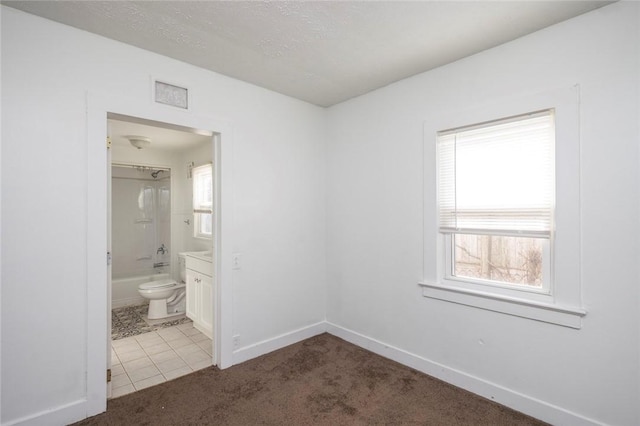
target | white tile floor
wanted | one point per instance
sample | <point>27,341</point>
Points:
<point>138,362</point>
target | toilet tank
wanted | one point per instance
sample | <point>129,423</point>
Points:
<point>182,266</point>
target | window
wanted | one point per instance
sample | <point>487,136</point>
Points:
<point>202,201</point>
<point>502,207</point>
<point>495,200</point>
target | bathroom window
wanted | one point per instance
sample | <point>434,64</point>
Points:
<point>202,201</point>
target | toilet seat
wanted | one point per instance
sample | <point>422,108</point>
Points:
<point>160,284</point>
<point>163,294</point>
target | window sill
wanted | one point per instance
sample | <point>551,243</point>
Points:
<point>565,316</point>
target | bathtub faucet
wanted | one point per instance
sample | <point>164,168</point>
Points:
<point>162,249</point>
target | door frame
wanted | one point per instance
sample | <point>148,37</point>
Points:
<point>99,106</point>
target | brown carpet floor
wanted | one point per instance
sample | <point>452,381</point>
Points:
<point>320,381</point>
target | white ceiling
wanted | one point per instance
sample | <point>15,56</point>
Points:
<point>323,52</point>
<point>162,137</point>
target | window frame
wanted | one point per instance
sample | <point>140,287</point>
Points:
<point>560,305</point>
<point>200,209</point>
<point>541,294</point>
<point>456,217</point>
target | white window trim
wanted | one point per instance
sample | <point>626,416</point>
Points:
<point>199,211</point>
<point>563,304</point>
<point>552,313</point>
<point>197,218</point>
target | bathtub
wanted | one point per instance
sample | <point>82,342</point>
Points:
<point>124,291</point>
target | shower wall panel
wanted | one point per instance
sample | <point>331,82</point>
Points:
<point>141,232</point>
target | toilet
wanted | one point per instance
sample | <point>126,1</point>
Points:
<point>166,297</point>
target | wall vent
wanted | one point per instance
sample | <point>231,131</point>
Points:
<point>170,94</point>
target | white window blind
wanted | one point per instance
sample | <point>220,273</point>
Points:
<point>498,177</point>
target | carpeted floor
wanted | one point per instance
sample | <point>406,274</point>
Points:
<point>320,381</point>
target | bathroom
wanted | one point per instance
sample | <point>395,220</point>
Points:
<point>153,223</point>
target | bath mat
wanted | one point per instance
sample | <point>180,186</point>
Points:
<point>130,321</point>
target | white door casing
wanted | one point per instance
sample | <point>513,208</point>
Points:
<point>98,334</point>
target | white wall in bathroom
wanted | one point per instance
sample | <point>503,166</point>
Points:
<point>278,204</point>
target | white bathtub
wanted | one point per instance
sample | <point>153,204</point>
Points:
<point>124,291</point>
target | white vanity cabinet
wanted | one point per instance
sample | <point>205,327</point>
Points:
<point>200,293</point>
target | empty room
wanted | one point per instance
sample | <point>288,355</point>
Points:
<point>426,189</point>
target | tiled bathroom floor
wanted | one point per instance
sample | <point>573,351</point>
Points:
<point>138,362</point>
<point>130,321</point>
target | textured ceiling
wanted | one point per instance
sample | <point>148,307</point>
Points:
<point>323,52</point>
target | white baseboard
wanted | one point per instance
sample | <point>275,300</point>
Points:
<point>62,415</point>
<point>536,408</point>
<point>515,400</point>
<point>270,345</point>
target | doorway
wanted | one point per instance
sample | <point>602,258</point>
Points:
<point>100,107</point>
<point>152,233</point>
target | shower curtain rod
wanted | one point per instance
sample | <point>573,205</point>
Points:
<point>138,166</point>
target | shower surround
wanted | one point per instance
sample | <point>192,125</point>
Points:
<point>141,228</point>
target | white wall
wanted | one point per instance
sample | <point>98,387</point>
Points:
<point>375,226</point>
<point>278,203</point>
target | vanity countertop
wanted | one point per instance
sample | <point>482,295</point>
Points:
<point>206,256</point>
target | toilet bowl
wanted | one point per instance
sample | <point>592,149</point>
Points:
<point>166,298</point>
